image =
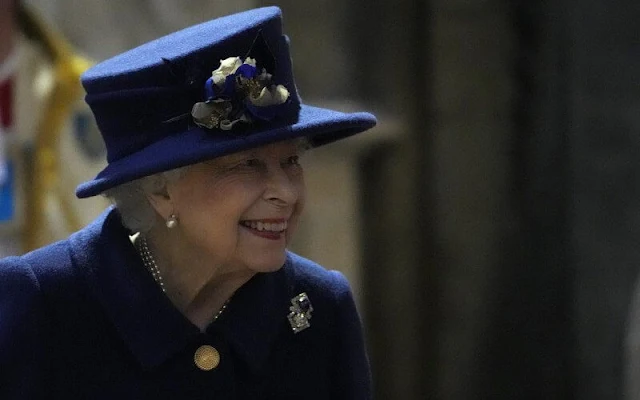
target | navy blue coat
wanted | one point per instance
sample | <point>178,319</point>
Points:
<point>83,319</point>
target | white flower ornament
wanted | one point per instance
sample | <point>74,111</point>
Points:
<point>227,67</point>
<point>236,92</point>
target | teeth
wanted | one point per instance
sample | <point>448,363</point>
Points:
<point>265,226</point>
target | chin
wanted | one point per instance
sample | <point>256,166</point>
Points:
<point>268,264</point>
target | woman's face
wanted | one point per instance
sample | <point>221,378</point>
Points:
<point>240,210</point>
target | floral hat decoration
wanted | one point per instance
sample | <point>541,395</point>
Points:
<point>207,91</point>
<point>239,92</point>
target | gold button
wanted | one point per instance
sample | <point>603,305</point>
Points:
<point>206,357</point>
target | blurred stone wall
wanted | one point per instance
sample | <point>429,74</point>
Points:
<point>559,329</point>
<point>603,56</point>
<point>561,242</point>
<point>472,55</point>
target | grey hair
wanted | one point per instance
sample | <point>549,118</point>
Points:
<point>130,198</point>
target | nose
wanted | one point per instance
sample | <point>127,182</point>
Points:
<point>281,189</point>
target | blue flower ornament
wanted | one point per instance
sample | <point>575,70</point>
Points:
<point>236,93</point>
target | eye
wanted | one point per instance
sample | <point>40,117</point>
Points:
<point>249,164</point>
<point>293,160</point>
<point>252,162</point>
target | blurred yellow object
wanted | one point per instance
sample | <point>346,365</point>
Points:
<point>45,171</point>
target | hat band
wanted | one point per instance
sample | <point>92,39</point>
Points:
<point>133,119</point>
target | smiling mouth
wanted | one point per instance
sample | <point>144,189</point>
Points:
<point>274,227</point>
<point>266,229</point>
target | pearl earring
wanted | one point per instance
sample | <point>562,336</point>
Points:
<point>172,221</point>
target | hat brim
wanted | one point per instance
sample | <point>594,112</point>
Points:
<point>320,125</point>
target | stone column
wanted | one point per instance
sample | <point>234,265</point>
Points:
<point>604,57</point>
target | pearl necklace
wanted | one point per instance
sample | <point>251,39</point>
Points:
<point>150,263</point>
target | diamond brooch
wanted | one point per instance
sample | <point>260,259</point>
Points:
<point>300,313</point>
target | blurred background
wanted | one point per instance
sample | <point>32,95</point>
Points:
<point>488,224</point>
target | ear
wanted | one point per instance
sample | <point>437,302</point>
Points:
<point>162,202</point>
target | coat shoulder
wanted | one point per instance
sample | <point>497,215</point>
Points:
<point>50,263</point>
<point>30,283</point>
<point>309,275</point>
<point>22,276</point>
<point>22,312</point>
<point>18,283</point>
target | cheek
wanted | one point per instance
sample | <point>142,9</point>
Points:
<point>202,212</point>
<point>218,211</point>
<point>299,207</point>
<point>213,226</point>
<point>302,199</point>
<point>302,190</point>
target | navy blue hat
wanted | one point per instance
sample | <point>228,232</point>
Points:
<point>213,89</point>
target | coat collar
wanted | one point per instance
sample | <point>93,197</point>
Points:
<point>147,321</point>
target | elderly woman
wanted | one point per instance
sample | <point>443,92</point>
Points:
<point>184,289</point>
